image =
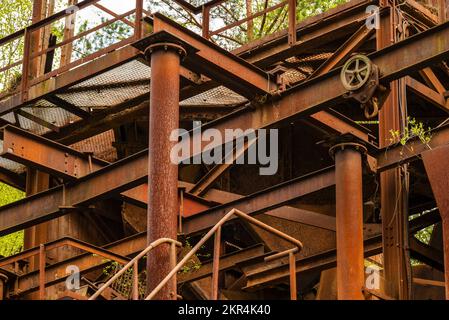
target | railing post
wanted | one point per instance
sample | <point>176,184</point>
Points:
<point>181,209</point>
<point>441,11</point>
<point>42,272</point>
<point>136,280</point>
<point>292,268</point>
<point>291,22</point>
<point>173,264</point>
<point>26,65</point>
<point>216,265</point>
<point>206,21</point>
<point>138,20</point>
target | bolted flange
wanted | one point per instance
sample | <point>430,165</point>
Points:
<point>347,145</point>
<point>166,46</point>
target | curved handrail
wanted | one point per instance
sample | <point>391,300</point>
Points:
<point>217,228</point>
<point>134,261</point>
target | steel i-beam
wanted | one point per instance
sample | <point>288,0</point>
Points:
<point>390,180</point>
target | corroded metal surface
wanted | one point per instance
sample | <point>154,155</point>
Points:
<point>438,173</point>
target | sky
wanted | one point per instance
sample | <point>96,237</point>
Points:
<point>118,6</point>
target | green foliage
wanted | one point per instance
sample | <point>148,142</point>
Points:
<point>423,235</point>
<point>112,33</point>
<point>11,243</point>
<point>192,264</point>
<point>414,129</point>
<point>234,10</point>
<point>14,16</point>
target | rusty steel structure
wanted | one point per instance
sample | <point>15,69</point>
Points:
<point>355,101</point>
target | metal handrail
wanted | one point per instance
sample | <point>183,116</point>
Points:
<point>217,231</point>
<point>134,263</point>
<point>28,56</point>
<point>66,241</point>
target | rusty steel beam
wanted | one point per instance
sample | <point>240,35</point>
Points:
<point>333,121</point>
<point>68,106</point>
<point>394,62</point>
<point>427,254</point>
<point>432,80</point>
<point>54,158</point>
<point>206,182</point>
<point>64,80</point>
<point>264,200</point>
<point>438,173</point>
<point>32,150</point>
<point>392,156</point>
<point>386,158</point>
<point>344,51</point>
<point>56,273</point>
<point>227,261</point>
<point>349,215</point>
<point>12,179</point>
<point>99,185</point>
<point>48,203</point>
<point>427,93</point>
<point>313,32</point>
<point>37,120</point>
<point>319,262</point>
<point>215,62</point>
<point>65,241</point>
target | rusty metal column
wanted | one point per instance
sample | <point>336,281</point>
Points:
<point>3,279</point>
<point>349,214</point>
<point>391,190</point>
<point>36,182</point>
<point>162,173</point>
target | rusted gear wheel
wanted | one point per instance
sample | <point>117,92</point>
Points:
<point>356,72</point>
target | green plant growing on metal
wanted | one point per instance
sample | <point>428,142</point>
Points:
<point>413,130</point>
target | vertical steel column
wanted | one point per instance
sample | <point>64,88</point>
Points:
<point>3,279</point>
<point>162,173</point>
<point>216,265</point>
<point>37,181</point>
<point>391,191</point>
<point>291,22</point>
<point>138,21</point>
<point>349,214</point>
<point>206,22</point>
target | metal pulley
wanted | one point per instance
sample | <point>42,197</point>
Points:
<point>356,72</point>
<point>361,78</point>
